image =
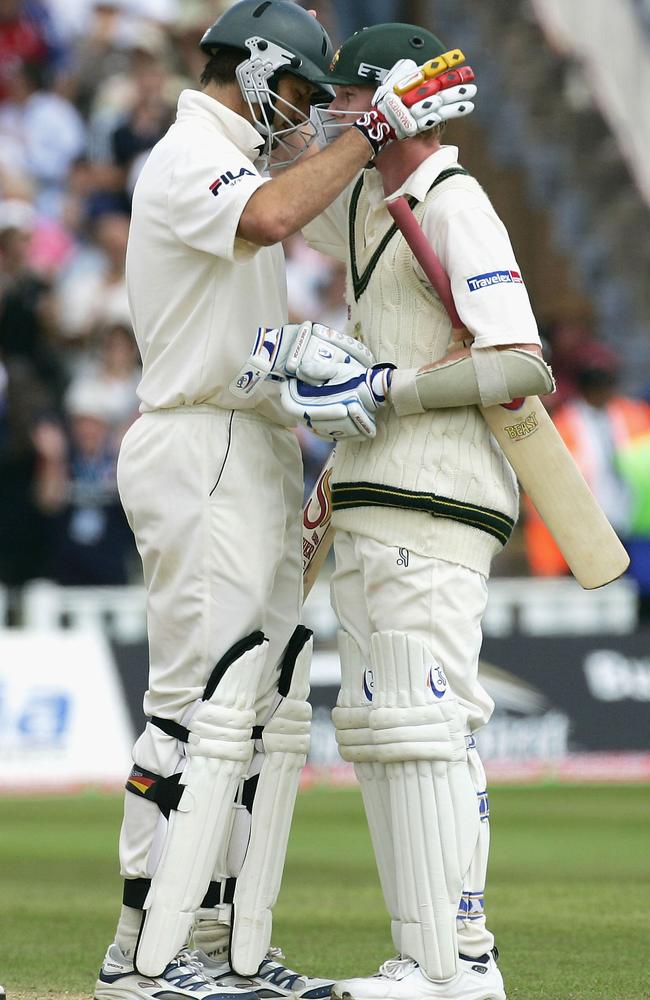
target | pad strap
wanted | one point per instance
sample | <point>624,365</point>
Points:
<point>171,728</point>
<point>165,792</point>
<point>219,892</point>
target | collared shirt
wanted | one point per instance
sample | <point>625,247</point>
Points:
<point>467,235</point>
<point>197,292</point>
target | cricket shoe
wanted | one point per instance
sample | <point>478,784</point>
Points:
<point>183,979</point>
<point>403,979</point>
<point>273,980</point>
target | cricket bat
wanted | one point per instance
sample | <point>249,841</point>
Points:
<point>531,443</point>
<point>317,530</point>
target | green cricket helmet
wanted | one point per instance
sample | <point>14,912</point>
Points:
<point>276,36</point>
<point>366,58</point>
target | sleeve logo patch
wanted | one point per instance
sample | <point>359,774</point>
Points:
<point>229,178</point>
<point>494,278</point>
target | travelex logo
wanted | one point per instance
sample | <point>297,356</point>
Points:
<point>436,681</point>
<point>494,278</point>
<point>229,178</point>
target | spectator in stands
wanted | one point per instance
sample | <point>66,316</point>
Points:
<point>598,426</point>
<point>98,52</point>
<point>130,110</point>
<point>92,290</point>
<point>91,543</point>
<point>26,305</point>
<point>26,412</point>
<point>150,112</point>
<point>112,373</point>
<point>41,133</point>
<point>566,340</point>
<point>23,39</point>
<point>192,20</point>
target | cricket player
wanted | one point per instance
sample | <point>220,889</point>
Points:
<point>210,477</point>
<point>423,499</point>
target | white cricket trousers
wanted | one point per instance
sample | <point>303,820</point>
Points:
<point>380,588</point>
<point>214,499</point>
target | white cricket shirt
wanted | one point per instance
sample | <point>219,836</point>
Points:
<point>469,238</point>
<point>197,292</point>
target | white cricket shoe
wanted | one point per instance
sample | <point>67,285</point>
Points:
<point>402,979</point>
<point>183,979</point>
<point>273,981</point>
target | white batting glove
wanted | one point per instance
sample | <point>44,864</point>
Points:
<point>455,102</point>
<point>400,119</point>
<point>309,351</point>
<point>343,407</point>
<point>389,117</point>
<point>428,102</point>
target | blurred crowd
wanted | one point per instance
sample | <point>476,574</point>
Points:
<point>86,89</point>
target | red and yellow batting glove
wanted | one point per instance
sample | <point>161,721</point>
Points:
<point>452,78</point>
<point>430,70</point>
<point>414,99</point>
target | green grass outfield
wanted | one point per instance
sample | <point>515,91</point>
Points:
<point>567,899</point>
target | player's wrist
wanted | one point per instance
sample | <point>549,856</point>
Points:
<point>379,382</point>
<point>375,129</point>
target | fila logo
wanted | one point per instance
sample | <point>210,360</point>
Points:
<point>370,72</point>
<point>229,178</point>
<point>494,278</point>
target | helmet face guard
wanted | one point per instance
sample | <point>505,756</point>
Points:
<point>330,124</point>
<point>287,131</point>
<point>274,37</point>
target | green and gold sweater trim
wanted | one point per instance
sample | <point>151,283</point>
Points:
<point>346,496</point>
<point>360,279</point>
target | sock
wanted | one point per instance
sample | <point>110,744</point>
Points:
<point>212,935</point>
<point>128,928</point>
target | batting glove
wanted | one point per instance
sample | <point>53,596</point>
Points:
<point>345,406</point>
<point>309,351</point>
<point>409,101</point>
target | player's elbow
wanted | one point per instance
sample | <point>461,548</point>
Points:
<point>526,372</point>
<point>263,225</point>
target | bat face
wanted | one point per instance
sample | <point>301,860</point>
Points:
<point>316,531</point>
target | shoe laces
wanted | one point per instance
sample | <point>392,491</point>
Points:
<point>186,971</point>
<point>397,968</point>
<point>273,970</point>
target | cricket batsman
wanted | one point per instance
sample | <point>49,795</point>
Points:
<point>210,477</point>
<point>423,499</point>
